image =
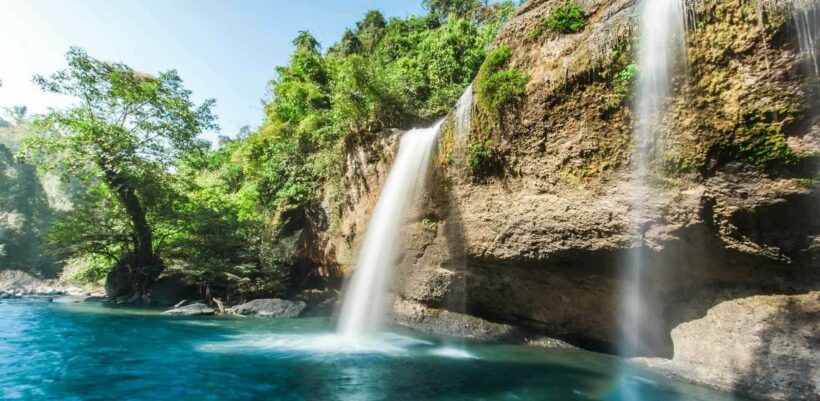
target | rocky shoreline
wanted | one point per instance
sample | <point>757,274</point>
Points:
<point>18,284</point>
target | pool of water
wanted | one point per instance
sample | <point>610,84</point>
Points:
<point>82,351</point>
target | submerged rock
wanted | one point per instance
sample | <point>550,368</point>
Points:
<point>271,307</point>
<point>762,346</point>
<point>197,309</point>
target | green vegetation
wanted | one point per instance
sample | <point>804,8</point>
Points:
<point>763,144</point>
<point>25,205</point>
<point>497,87</point>
<point>153,199</point>
<point>568,18</point>
<point>121,139</point>
<point>625,78</point>
<point>481,158</point>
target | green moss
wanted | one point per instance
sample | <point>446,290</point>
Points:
<point>498,87</point>
<point>763,144</point>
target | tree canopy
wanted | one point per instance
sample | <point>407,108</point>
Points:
<point>125,132</point>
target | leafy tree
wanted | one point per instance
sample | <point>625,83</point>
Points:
<point>457,8</point>
<point>371,29</point>
<point>126,132</point>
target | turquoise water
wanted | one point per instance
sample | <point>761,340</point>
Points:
<point>71,351</point>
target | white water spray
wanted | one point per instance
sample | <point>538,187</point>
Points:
<point>662,41</point>
<point>363,303</point>
<point>806,16</point>
<point>464,115</point>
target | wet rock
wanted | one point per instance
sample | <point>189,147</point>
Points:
<point>762,346</point>
<point>547,342</point>
<point>196,309</point>
<point>182,303</point>
<point>443,322</point>
<point>276,308</point>
<point>95,298</point>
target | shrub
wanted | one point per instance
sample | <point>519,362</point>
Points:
<point>624,79</point>
<point>481,158</point>
<point>499,87</point>
<point>568,18</point>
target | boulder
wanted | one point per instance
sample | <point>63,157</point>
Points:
<point>276,308</point>
<point>764,347</point>
<point>197,309</point>
<point>170,290</point>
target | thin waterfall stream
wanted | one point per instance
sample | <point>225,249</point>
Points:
<point>662,40</point>
<point>363,304</point>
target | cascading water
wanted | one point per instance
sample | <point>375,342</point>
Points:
<point>363,303</point>
<point>463,117</point>
<point>806,16</point>
<point>662,40</point>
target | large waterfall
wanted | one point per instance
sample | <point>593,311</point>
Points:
<point>363,303</point>
<point>662,40</point>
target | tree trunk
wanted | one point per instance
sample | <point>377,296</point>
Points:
<point>145,267</point>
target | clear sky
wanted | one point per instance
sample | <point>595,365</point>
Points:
<point>223,49</point>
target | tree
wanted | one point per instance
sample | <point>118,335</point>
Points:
<point>458,8</point>
<point>126,131</point>
<point>371,29</point>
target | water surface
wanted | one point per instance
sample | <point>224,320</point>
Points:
<point>72,351</point>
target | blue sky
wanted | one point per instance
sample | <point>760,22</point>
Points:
<point>223,49</point>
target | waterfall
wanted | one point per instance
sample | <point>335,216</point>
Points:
<point>463,118</point>
<point>662,40</point>
<point>363,303</point>
<point>806,16</point>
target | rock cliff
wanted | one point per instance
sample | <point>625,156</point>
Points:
<point>539,243</point>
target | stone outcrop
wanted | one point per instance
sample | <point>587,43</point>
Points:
<point>195,309</point>
<point>539,245</point>
<point>274,308</point>
<point>761,346</point>
<point>447,323</point>
<point>18,283</point>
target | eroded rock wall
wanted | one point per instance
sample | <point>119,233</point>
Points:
<point>541,243</point>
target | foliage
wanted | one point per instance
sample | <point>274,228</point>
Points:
<point>86,269</point>
<point>457,8</point>
<point>498,88</point>
<point>625,79</point>
<point>126,132</point>
<point>232,218</point>
<point>381,74</point>
<point>25,210</point>
<point>568,18</point>
<point>481,158</point>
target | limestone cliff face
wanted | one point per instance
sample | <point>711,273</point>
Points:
<point>540,244</point>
